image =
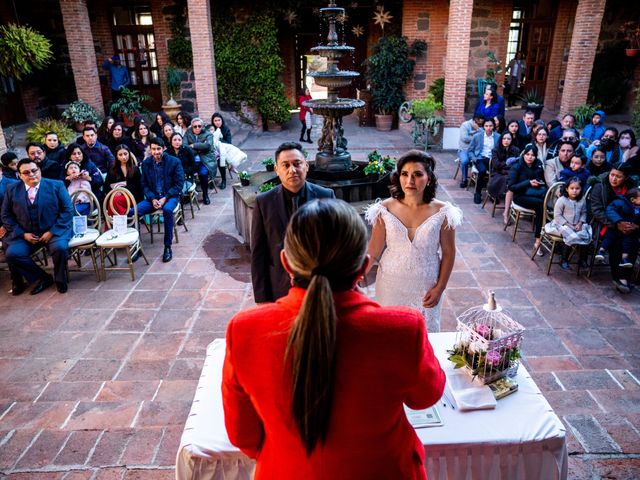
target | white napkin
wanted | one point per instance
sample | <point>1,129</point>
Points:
<point>469,395</point>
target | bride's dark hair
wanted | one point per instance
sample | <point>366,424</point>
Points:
<point>429,164</point>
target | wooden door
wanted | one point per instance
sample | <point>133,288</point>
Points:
<point>537,59</point>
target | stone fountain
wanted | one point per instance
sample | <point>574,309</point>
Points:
<point>332,146</point>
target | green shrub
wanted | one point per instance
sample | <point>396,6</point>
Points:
<point>437,90</point>
<point>583,114</point>
<point>22,51</point>
<point>635,116</point>
<point>37,131</point>
<point>80,111</point>
<point>265,187</point>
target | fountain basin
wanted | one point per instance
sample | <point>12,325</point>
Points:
<point>335,80</point>
<point>332,51</point>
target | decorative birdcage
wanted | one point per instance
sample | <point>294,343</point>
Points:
<point>487,342</point>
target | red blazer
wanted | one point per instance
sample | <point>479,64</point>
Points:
<point>303,109</point>
<point>384,358</point>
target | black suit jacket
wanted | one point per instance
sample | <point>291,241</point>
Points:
<point>269,223</point>
<point>523,136</point>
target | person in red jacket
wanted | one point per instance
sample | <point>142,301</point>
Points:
<point>314,384</point>
<point>305,116</point>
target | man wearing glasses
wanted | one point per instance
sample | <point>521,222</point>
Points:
<point>36,212</point>
<point>200,139</point>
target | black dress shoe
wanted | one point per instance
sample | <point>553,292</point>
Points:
<point>477,198</point>
<point>17,288</point>
<point>61,287</point>
<point>167,255</point>
<point>223,185</point>
<point>206,200</point>
<point>463,184</point>
<point>42,285</point>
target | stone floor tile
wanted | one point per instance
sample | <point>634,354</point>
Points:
<point>587,380</point>
<point>543,342</point>
<point>553,363</point>
<point>580,469</point>
<point>131,320</point>
<point>14,442</point>
<point>167,320</point>
<point>157,281</point>
<point>146,474</point>
<point>145,300</point>
<point>42,452</point>
<point>110,447</point>
<point>123,391</point>
<point>193,281</point>
<point>186,369</point>
<point>213,320</point>
<point>163,414</point>
<point>142,447</point>
<point>624,340</point>
<point>616,468</point>
<point>621,430</point>
<point>86,320</point>
<point>623,402</point>
<point>546,381</point>
<point>20,391</point>
<point>196,344</point>
<point>223,299</point>
<point>576,402</point>
<point>166,455</point>
<point>112,473</point>
<point>36,476</point>
<point>37,415</point>
<point>111,345</point>
<point>79,475</point>
<point>175,390</point>
<point>77,447</point>
<point>593,437</point>
<point>144,370</point>
<point>157,346</point>
<point>586,341</point>
<point>69,391</point>
<point>626,379</point>
<point>93,370</point>
<point>614,362</point>
<point>102,415</point>
<point>183,299</point>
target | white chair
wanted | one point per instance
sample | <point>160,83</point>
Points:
<point>86,242</point>
<point>110,242</point>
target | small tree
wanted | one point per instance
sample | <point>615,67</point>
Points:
<point>635,118</point>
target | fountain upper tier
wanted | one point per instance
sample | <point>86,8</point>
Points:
<point>334,79</point>
<point>326,107</point>
<point>332,51</point>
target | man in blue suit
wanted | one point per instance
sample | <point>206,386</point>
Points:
<point>5,181</point>
<point>36,212</point>
<point>480,148</point>
<point>162,180</point>
<point>271,215</point>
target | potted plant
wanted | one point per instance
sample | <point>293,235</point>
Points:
<point>172,107</point>
<point>245,178</point>
<point>583,114</point>
<point>265,187</point>
<point>275,109</point>
<point>129,105</point>
<point>388,69</point>
<point>79,112</point>
<point>39,129</point>
<point>533,101</point>
<point>269,164</point>
<point>631,32</point>
<point>427,120</point>
<point>376,165</point>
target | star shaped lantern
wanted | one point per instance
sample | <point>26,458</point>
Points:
<point>381,17</point>
<point>357,30</point>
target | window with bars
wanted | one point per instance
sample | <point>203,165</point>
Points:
<point>515,34</point>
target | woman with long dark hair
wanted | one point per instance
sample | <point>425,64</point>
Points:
<point>418,232</point>
<point>88,170</point>
<point>221,133</point>
<point>500,165</point>
<point>313,385</point>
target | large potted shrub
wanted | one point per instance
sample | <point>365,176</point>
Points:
<point>79,112</point>
<point>533,101</point>
<point>171,107</point>
<point>129,105</point>
<point>426,114</point>
<point>388,69</point>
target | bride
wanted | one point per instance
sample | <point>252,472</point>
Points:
<point>419,234</point>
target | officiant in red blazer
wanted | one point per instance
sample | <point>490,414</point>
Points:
<point>314,384</point>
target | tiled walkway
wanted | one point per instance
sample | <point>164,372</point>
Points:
<point>97,383</point>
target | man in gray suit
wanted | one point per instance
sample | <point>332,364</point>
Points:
<point>36,212</point>
<point>271,215</point>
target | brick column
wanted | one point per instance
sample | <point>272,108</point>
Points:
<point>82,52</point>
<point>204,66</point>
<point>561,38</point>
<point>457,61</point>
<point>584,41</point>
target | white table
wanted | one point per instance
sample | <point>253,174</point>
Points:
<point>521,439</point>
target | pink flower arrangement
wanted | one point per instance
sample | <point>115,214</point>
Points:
<point>484,330</point>
<point>493,357</point>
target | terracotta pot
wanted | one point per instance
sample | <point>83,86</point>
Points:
<point>128,119</point>
<point>631,52</point>
<point>274,127</point>
<point>383,122</point>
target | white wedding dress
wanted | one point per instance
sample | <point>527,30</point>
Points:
<point>409,268</point>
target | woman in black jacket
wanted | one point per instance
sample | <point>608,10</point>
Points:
<point>187,159</point>
<point>526,181</point>
<point>503,150</point>
<point>124,172</point>
<point>117,137</point>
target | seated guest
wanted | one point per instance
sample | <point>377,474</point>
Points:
<point>117,137</point>
<point>95,151</point>
<point>594,130</point>
<point>480,149</point>
<point>140,141</point>
<point>86,124</point>
<point>488,106</point>
<point>48,168</point>
<point>512,127</point>
<point>555,132</point>
<point>105,129</point>
<point>467,130</point>
<point>90,172</point>
<point>572,136</point>
<point>36,212</point>
<point>162,180</point>
<point>627,144</point>
<point>624,208</point>
<point>500,124</point>
<point>604,191</point>
<point>541,135</point>
<point>201,141</point>
<point>9,162</point>
<point>526,181</point>
<point>183,121</point>
<point>597,165</point>
<point>556,127</point>
<point>608,143</point>
<point>75,180</point>
<point>524,128</point>
<point>186,157</point>
<point>553,167</point>
<point>502,158</point>
<point>124,173</point>
<point>316,403</point>
<point>161,119</point>
<point>167,132</point>
<point>577,170</point>
<point>53,148</point>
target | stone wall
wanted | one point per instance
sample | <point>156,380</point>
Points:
<point>187,93</point>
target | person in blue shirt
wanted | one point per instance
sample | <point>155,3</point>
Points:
<point>119,76</point>
<point>488,106</point>
<point>609,144</point>
<point>594,130</point>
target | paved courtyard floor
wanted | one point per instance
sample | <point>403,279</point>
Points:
<point>97,383</point>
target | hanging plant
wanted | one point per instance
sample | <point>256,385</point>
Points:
<point>22,51</point>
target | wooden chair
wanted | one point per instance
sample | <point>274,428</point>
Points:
<point>156,217</point>
<point>495,201</point>
<point>516,213</point>
<point>548,241</point>
<point>82,243</point>
<point>191,197</point>
<point>457,162</point>
<point>109,242</point>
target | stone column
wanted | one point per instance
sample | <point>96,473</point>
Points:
<point>456,68</point>
<point>561,37</point>
<point>82,52</point>
<point>204,66</point>
<point>584,42</point>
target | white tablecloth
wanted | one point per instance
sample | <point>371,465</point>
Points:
<point>521,439</point>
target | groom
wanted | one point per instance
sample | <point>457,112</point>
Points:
<point>271,215</point>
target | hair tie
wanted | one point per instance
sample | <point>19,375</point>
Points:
<point>319,271</point>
